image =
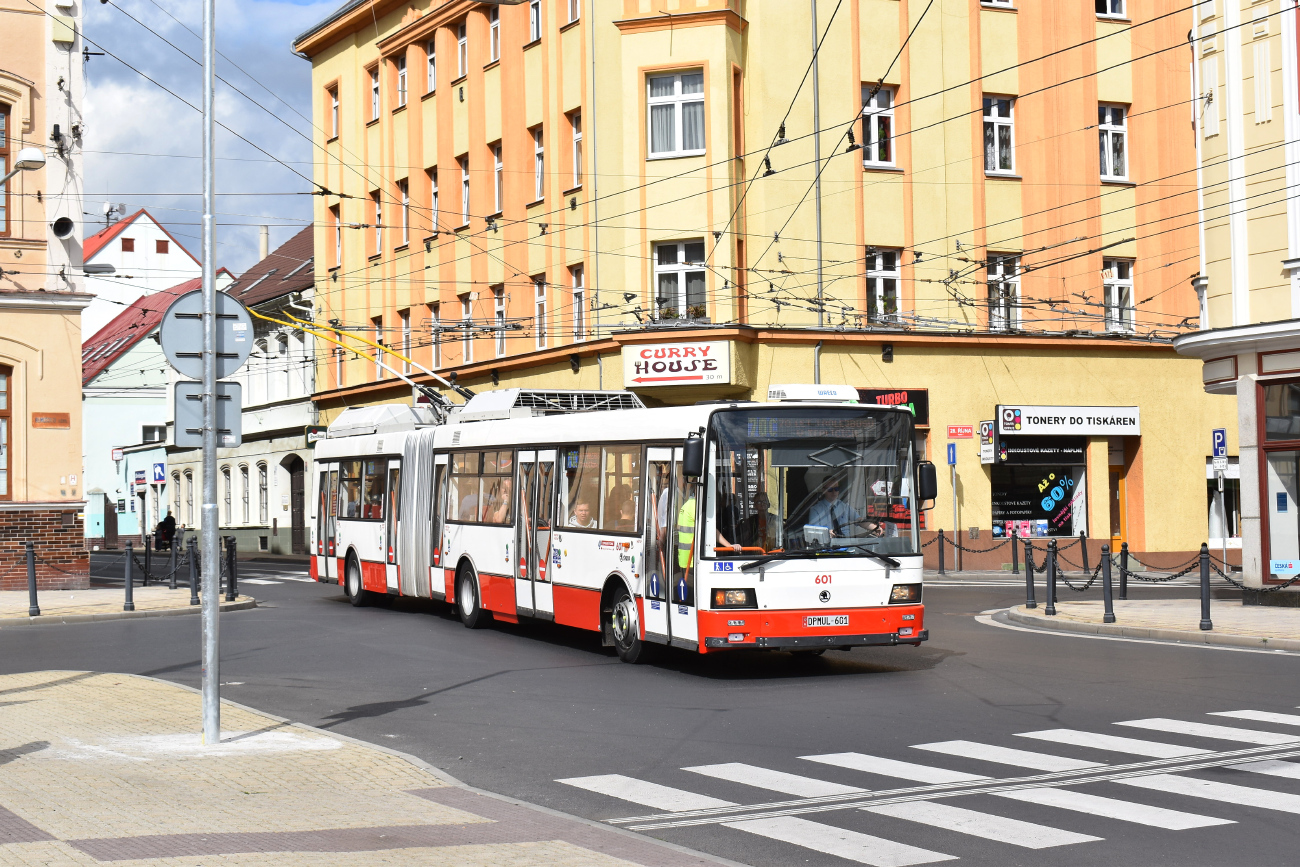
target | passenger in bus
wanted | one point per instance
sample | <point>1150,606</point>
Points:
<point>374,507</point>
<point>626,522</point>
<point>468,510</point>
<point>762,529</point>
<point>838,516</point>
<point>582,516</point>
<point>497,510</point>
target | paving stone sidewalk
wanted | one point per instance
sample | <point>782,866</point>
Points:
<point>1237,625</point>
<point>99,768</point>
<point>104,604</point>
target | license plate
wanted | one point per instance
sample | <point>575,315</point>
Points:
<point>826,620</point>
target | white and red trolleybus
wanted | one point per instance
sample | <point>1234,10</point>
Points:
<point>787,525</point>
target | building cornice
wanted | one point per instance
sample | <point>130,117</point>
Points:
<point>423,27</point>
<point>63,302</point>
<point>666,21</point>
<point>40,505</point>
<point>1259,337</point>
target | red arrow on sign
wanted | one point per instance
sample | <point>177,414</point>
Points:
<point>665,378</point>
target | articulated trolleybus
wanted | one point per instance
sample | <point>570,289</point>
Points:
<point>788,525</point>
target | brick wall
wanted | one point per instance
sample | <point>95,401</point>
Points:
<point>62,562</point>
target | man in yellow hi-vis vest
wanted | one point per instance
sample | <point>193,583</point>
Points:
<point>686,530</point>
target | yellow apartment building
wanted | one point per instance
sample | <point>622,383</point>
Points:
<point>983,210</point>
<point>1247,120</point>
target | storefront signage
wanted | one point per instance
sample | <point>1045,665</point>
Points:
<point>1025,451</point>
<point>316,433</point>
<point>141,476</point>
<point>649,365</point>
<point>1069,420</point>
<point>915,399</point>
<point>987,453</point>
<point>52,420</point>
<point>1284,567</point>
<point>1039,501</point>
<point>117,454</point>
<point>159,474</point>
<point>961,431</point>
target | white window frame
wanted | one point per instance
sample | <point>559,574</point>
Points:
<point>404,191</point>
<point>378,324</point>
<point>466,329</point>
<point>1117,295</point>
<point>884,280</point>
<point>462,50</point>
<point>433,199</point>
<point>575,10</point>
<point>374,93</point>
<point>431,66</point>
<point>464,189</point>
<point>227,498</point>
<point>189,498</point>
<point>498,180</point>
<point>1004,309</point>
<point>683,270</point>
<point>575,123</point>
<point>334,111</point>
<point>539,312</point>
<point>499,318</point>
<point>494,33</point>
<point>263,494</point>
<point>996,124</point>
<point>1005,4</point>
<point>243,492</point>
<point>534,20</point>
<point>578,275</point>
<point>379,223</point>
<point>539,165</point>
<point>1209,109</point>
<point>405,317</point>
<point>877,126</point>
<point>338,367</point>
<point>435,328</point>
<point>336,213</point>
<point>678,101</point>
<point>1111,9</point>
<point>1109,134</point>
<point>401,81</point>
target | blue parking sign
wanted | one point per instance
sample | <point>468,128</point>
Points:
<point>1219,442</point>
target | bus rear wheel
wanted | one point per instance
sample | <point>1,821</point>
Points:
<point>353,586</point>
<point>625,629</point>
<point>468,605</point>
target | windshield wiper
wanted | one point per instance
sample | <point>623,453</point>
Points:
<point>888,561</point>
<point>782,555</point>
<point>838,551</point>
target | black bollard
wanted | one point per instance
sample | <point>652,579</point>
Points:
<point>1106,597</point>
<point>128,579</point>
<point>1050,610</point>
<point>1206,625</point>
<point>1083,543</point>
<point>194,572</point>
<point>941,552</point>
<point>1123,570</point>
<point>173,561</point>
<point>1015,553</point>
<point>148,560</point>
<point>33,609</point>
<point>1030,601</point>
<point>232,571</point>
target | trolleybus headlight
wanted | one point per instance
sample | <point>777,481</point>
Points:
<point>734,599</point>
<point>905,593</point>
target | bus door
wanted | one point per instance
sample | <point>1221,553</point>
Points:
<point>437,583</point>
<point>659,544</point>
<point>536,513</point>
<point>404,584</point>
<point>331,570</point>
<point>524,538</point>
<point>684,556</point>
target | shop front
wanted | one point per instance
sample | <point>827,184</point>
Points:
<point>1281,471</point>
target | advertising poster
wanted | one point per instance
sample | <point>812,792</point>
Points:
<point>1038,501</point>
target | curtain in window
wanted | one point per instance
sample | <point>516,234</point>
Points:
<point>663,131</point>
<point>667,291</point>
<point>694,291</point>
<point>693,126</point>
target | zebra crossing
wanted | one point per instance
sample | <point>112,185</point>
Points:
<point>880,810</point>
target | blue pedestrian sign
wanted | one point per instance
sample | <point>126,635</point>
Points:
<point>1219,442</point>
<point>952,454</point>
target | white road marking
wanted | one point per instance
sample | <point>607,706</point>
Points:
<point>1007,756</point>
<point>1272,767</point>
<point>1283,719</point>
<point>1205,730</point>
<point>842,843</point>
<point>647,794</point>
<point>1222,792</point>
<point>1113,743</point>
<point>894,768</point>
<point>256,581</point>
<point>1025,834</point>
<point>777,781</point>
<point>987,620</point>
<point>1112,808</point>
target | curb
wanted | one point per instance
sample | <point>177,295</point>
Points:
<point>1040,621</point>
<point>43,619</point>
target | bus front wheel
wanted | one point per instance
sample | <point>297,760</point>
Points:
<point>625,629</point>
<point>356,590</point>
<point>467,602</point>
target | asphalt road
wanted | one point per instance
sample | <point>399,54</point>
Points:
<point>517,709</point>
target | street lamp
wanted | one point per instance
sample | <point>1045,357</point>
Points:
<point>28,159</point>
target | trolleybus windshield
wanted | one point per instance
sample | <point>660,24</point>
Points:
<point>812,479</point>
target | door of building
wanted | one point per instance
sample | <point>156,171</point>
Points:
<point>110,522</point>
<point>297,503</point>
<point>1118,510</point>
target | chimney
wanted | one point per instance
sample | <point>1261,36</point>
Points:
<point>263,242</point>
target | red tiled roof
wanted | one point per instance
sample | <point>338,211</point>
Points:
<point>97,241</point>
<point>287,269</point>
<point>128,328</point>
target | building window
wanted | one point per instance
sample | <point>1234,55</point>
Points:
<point>999,138</point>
<point>5,151</point>
<point>1112,130</point>
<point>494,32</point>
<point>499,318</point>
<point>1004,292</point>
<point>578,274</point>
<point>153,433</point>
<point>379,223</point>
<point>338,366</point>
<point>6,414</point>
<point>374,94</point>
<point>575,10</point>
<point>243,492</point>
<point>462,51</point>
<point>430,66</point>
<point>128,244</point>
<point>679,280</point>
<point>404,193</point>
<point>334,112</point>
<point>337,223</point>
<point>466,329</point>
<point>433,200</point>
<point>878,127</point>
<point>161,247</point>
<point>189,498</point>
<point>1110,8</point>
<point>883,279</point>
<point>539,311</point>
<point>498,180</point>
<point>1004,3</point>
<point>435,329</point>
<point>534,20</point>
<point>575,122</point>
<point>464,190</point>
<point>676,105</point>
<point>175,510</point>
<point>263,496</point>
<point>226,513</point>
<point>539,166</point>
<point>1117,282</point>
<point>1210,97</point>
<point>405,317</point>
<point>401,82</point>
<point>377,326</point>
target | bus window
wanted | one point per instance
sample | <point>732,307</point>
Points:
<point>582,487</point>
<point>463,499</point>
<point>394,486</point>
<point>350,489</point>
<point>659,494</point>
<point>622,480</point>
<point>322,511</point>
<point>439,507</point>
<point>373,485</point>
<point>498,487</point>
<point>682,549</point>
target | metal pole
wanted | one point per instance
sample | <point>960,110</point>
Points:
<point>817,156</point>
<point>33,609</point>
<point>148,559</point>
<point>1083,543</point>
<point>128,579</point>
<point>1106,595</point>
<point>941,552</point>
<point>1050,610</point>
<point>191,555</point>
<point>1123,570</point>
<point>1206,624</point>
<point>173,559</point>
<point>1030,601</point>
<point>1223,520</point>
<point>956,552</point>
<point>1015,553</point>
<point>232,571</point>
<point>211,676</point>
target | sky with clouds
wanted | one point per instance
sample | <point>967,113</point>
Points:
<point>142,144</point>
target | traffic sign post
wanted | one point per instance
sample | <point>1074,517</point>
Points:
<point>956,544</point>
<point>1219,458</point>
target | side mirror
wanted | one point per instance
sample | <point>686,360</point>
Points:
<point>693,456</point>
<point>927,482</point>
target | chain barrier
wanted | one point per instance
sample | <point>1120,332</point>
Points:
<point>1272,589</point>
<point>1163,579</point>
<point>1095,572</point>
<point>925,545</point>
<point>957,544</point>
<point>43,561</point>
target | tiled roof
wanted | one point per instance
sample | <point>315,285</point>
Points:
<point>288,269</point>
<point>127,329</point>
<point>97,241</point>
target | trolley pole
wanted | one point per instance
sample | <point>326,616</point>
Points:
<point>211,674</point>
